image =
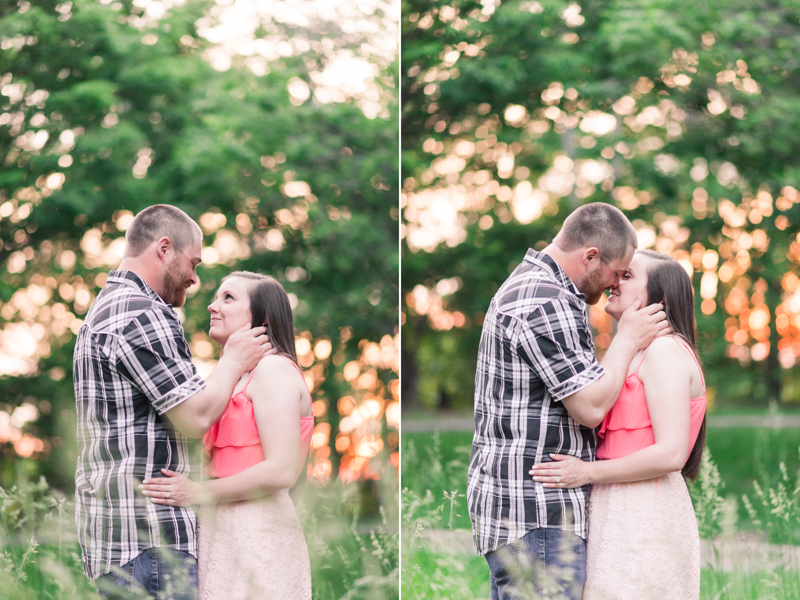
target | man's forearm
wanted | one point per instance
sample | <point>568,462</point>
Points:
<point>198,413</point>
<point>589,405</point>
<point>616,362</point>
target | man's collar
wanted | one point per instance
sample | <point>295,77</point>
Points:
<point>547,262</point>
<point>131,279</point>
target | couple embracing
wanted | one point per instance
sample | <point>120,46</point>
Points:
<point>139,396</point>
<point>553,423</point>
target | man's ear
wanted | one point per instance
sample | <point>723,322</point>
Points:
<point>590,257</point>
<point>162,246</point>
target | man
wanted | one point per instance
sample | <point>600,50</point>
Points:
<point>135,385</point>
<point>539,389</point>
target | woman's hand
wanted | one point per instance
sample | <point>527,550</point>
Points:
<point>173,490</point>
<point>565,472</point>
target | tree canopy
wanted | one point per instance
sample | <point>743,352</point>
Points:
<point>111,107</point>
<point>515,113</point>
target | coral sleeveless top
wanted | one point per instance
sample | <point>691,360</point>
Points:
<point>234,442</point>
<point>627,427</point>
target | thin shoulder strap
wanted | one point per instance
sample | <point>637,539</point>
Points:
<point>252,374</point>
<point>294,364</point>
<point>636,372</point>
<point>688,349</point>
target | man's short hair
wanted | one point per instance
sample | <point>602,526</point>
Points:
<point>600,225</point>
<point>157,221</point>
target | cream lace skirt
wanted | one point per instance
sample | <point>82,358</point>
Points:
<point>643,542</point>
<point>253,550</point>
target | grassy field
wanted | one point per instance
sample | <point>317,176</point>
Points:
<point>743,455</point>
<point>354,555</point>
<point>439,562</point>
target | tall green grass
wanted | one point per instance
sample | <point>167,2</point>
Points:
<point>354,550</point>
<point>439,561</point>
<point>743,455</point>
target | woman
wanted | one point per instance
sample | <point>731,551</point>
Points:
<point>643,541</point>
<point>251,543</point>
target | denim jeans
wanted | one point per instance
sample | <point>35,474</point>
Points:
<point>544,563</point>
<point>160,573</point>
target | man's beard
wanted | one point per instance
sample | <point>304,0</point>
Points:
<point>173,285</point>
<point>592,286</point>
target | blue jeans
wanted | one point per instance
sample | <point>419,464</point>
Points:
<point>544,563</point>
<point>160,573</point>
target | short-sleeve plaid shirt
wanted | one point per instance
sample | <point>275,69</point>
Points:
<point>131,365</point>
<point>536,349</point>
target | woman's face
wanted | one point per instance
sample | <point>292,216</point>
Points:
<point>631,284</point>
<point>230,309</point>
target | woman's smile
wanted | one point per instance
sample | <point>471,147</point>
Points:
<point>230,309</point>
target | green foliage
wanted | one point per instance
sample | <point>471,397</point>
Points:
<point>706,493</point>
<point>129,113</point>
<point>719,140</point>
<point>427,459</point>
<point>777,510</point>
<point>745,455</point>
<point>741,456</point>
<point>434,490</point>
<point>28,505</point>
<point>438,564</point>
<point>441,575</point>
<point>431,574</point>
<point>350,558</point>
<point>779,583</point>
<point>39,558</point>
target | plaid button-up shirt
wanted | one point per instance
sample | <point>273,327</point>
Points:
<point>536,349</point>
<point>131,365</point>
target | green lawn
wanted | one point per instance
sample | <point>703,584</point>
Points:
<point>440,576</point>
<point>351,557</point>
<point>445,575</point>
<point>437,461</point>
<point>742,455</point>
<point>434,465</point>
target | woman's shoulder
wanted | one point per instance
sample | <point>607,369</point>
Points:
<point>667,351</point>
<point>272,361</point>
<point>275,365</point>
<point>277,379</point>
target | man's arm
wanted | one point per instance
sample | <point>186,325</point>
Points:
<point>153,356</point>
<point>638,327</point>
<point>276,392</point>
<point>666,374</point>
<point>198,413</point>
<point>589,405</point>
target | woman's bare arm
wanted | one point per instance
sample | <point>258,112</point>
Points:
<point>276,392</point>
<point>666,373</point>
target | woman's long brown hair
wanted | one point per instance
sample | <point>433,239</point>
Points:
<point>669,284</point>
<point>269,306</point>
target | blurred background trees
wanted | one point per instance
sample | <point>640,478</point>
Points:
<point>515,113</point>
<point>273,126</point>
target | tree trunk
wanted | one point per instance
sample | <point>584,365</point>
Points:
<point>772,367</point>
<point>409,370</point>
